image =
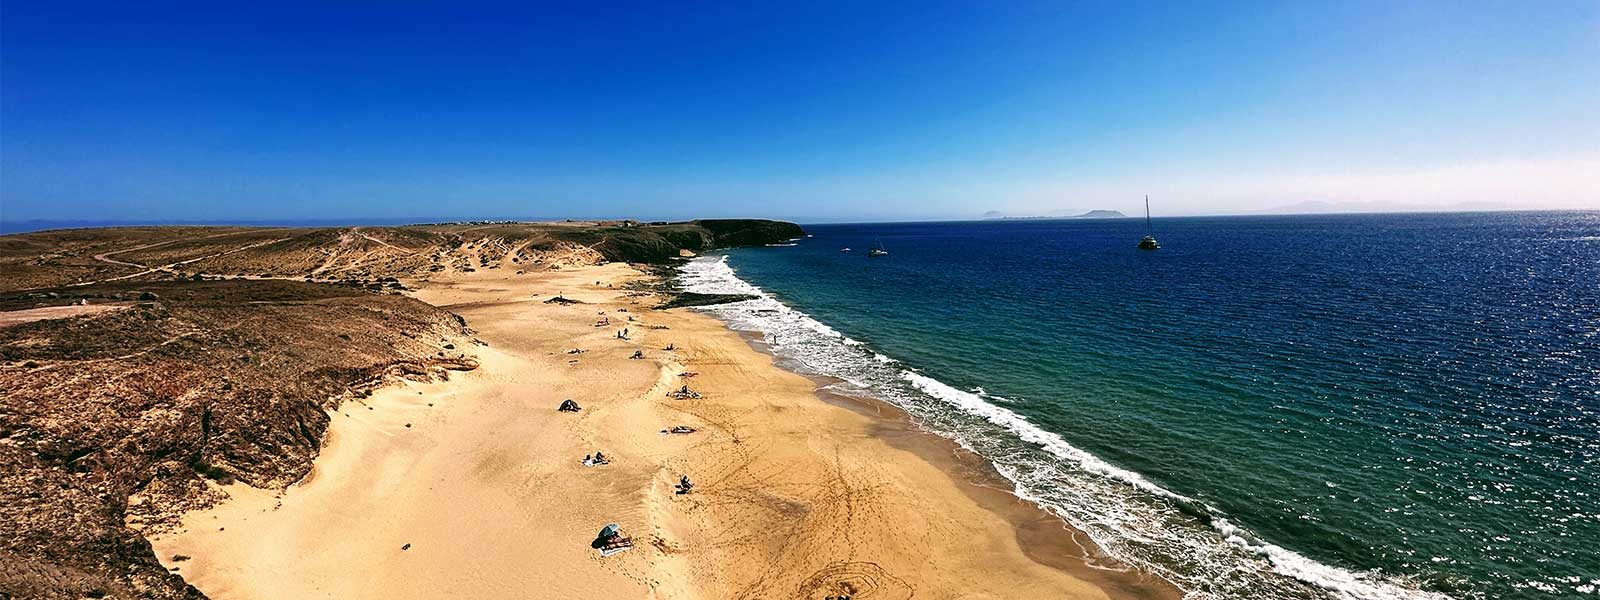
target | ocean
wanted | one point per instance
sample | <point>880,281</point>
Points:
<point>1351,406</point>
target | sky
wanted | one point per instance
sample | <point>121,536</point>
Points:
<point>814,111</point>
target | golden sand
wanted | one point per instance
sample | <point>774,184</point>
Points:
<point>473,488</point>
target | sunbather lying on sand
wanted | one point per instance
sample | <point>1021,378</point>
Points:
<point>611,541</point>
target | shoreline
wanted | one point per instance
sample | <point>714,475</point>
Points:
<point>471,487</point>
<point>1045,538</point>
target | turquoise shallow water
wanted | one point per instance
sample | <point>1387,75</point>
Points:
<point>1367,406</point>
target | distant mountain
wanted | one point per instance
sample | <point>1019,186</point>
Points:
<point>1065,213</point>
<point>1101,214</point>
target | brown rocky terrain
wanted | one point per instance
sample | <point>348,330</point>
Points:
<point>215,379</point>
<point>113,420</point>
<point>78,256</point>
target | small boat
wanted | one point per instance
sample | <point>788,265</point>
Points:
<point>1149,241</point>
<point>877,250</point>
<point>844,249</point>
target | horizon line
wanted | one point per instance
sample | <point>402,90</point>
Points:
<point>16,227</point>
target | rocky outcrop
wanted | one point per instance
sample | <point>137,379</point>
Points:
<point>661,242</point>
<point>680,299</point>
<point>728,233</point>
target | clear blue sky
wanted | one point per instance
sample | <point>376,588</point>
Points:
<point>817,111</point>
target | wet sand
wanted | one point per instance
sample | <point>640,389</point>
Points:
<point>473,488</point>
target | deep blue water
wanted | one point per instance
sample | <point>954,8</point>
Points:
<point>1358,405</point>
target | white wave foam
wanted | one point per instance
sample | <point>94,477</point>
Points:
<point>1031,433</point>
<point>1067,484</point>
<point>1348,584</point>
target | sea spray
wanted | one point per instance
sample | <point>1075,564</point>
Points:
<point>1129,517</point>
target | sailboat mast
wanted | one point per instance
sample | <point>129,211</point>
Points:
<point>1147,227</point>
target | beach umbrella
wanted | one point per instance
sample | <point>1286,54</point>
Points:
<point>610,529</point>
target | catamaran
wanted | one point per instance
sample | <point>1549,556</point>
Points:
<point>1149,242</point>
<point>877,250</point>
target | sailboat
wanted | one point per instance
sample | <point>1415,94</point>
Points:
<point>1149,242</point>
<point>877,249</point>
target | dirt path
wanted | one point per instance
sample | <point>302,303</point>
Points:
<point>153,348</point>
<point>378,241</point>
<point>167,268</point>
<point>18,317</point>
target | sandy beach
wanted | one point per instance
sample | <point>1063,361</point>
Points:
<point>474,488</point>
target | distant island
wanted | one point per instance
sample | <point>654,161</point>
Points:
<point>1101,214</point>
<point>1060,214</point>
